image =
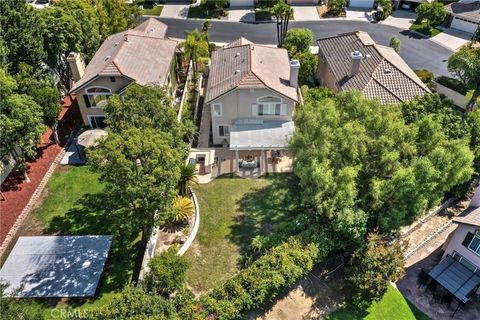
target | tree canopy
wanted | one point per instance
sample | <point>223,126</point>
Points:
<point>298,40</point>
<point>433,12</point>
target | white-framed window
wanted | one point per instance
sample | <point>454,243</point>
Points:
<point>223,130</point>
<point>464,261</point>
<point>97,96</point>
<point>217,109</point>
<point>475,243</point>
<point>270,106</point>
<point>96,121</point>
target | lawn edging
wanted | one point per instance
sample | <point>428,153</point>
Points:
<point>196,226</point>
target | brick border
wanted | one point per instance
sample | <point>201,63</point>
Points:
<point>33,199</point>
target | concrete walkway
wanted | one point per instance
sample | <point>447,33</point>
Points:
<point>452,39</point>
<point>178,11</point>
<point>240,14</point>
<point>306,13</point>
<point>401,19</point>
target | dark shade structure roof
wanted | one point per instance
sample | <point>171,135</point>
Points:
<point>468,10</point>
<point>382,75</point>
<point>456,278</point>
<point>56,266</point>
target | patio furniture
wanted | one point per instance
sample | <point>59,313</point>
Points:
<point>423,278</point>
<point>249,164</point>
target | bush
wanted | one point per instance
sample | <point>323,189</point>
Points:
<point>263,280</point>
<point>426,76</point>
<point>335,7</point>
<point>215,4</point>
<point>308,65</point>
<point>453,84</point>
<point>167,272</point>
<point>395,44</point>
<point>182,209</point>
<point>298,40</point>
<point>386,9</point>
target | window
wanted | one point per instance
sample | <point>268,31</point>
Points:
<point>97,121</point>
<point>464,261</point>
<point>96,96</point>
<point>475,243</point>
<point>217,109</point>
<point>223,131</point>
<point>271,106</point>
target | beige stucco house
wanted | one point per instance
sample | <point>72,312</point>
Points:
<point>250,98</point>
<point>353,61</point>
<point>142,55</point>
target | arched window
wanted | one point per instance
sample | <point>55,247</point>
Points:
<point>97,96</point>
<point>270,106</point>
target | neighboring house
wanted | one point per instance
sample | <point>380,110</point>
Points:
<point>464,15</point>
<point>353,61</point>
<point>464,242</point>
<point>252,92</point>
<point>251,3</point>
<point>142,55</point>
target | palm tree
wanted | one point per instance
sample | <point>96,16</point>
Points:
<point>283,13</point>
<point>188,178</point>
<point>182,208</point>
<point>194,47</point>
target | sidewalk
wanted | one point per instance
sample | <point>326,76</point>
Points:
<point>178,11</point>
<point>17,192</point>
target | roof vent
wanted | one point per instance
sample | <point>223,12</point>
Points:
<point>107,57</point>
<point>237,71</point>
<point>237,54</point>
<point>116,44</point>
<point>367,56</point>
<point>387,71</point>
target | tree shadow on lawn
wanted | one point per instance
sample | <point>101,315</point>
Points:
<point>95,214</point>
<point>266,210</point>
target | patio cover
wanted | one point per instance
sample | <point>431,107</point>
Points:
<point>56,266</point>
<point>250,134</point>
<point>455,277</point>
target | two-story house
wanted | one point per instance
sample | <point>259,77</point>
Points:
<point>353,61</point>
<point>251,97</point>
<point>142,55</point>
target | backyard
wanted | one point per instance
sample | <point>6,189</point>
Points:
<point>72,203</point>
<point>232,212</point>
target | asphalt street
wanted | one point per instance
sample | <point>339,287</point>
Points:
<point>418,52</point>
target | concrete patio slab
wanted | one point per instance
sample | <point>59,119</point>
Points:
<point>306,13</point>
<point>401,19</point>
<point>177,11</point>
<point>452,39</point>
<point>241,14</point>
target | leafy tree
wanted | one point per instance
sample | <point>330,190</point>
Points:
<point>188,178</point>
<point>168,272</point>
<point>283,13</point>
<point>3,54</point>
<point>182,208</point>
<point>395,43</point>
<point>141,170</point>
<point>372,267</point>
<point>21,34</point>
<point>195,46</point>
<point>387,8</point>
<point>298,40</point>
<point>21,124</point>
<point>465,65</point>
<point>475,37</point>
<point>62,36</point>
<point>433,12</point>
<point>308,65</point>
<point>16,308</point>
<point>115,16</point>
<point>87,17</point>
<point>335,7</point>
<point>134,304</point>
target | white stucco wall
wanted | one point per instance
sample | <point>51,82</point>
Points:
<point>455,244</point>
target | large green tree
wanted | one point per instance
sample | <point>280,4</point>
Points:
<point>21,31</point>
<point>114,15</point>
<point>432,12</point>
<point>465,65</point>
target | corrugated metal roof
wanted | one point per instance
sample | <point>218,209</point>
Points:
<point>244,64</point>
<point>141,54</point>
<point>382,73</point>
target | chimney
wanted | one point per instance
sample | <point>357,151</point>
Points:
<point>76,64</point>
<point>294,69</point>
<point>356,61</point>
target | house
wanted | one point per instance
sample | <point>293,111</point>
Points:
<point>142,55</point>
<point>353,61</point>
<point>251,96</point>
<point>251,3</point>
<point>464,15</point>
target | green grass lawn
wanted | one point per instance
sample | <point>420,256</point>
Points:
<point>232,212</point>
<point>73,204</point>
<point>392,306</point>
<point>154,11</point>
<point>422,28</point>
<point>200,12</point>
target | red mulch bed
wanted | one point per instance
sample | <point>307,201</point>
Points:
<point>17,193</point>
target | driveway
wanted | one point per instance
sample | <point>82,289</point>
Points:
<point>178,11</point>
<point>240,14</point>
<point>359,14</point>
<point>306,13</point>
<point>401,19</point>
<point>452,39</point>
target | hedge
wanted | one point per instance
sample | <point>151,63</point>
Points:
<point>453,84</point>
<point>263,280</point>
